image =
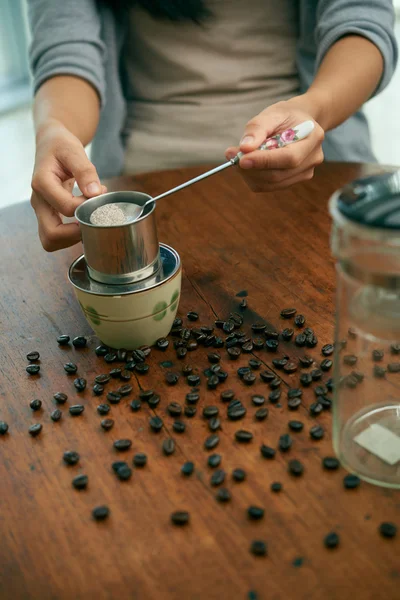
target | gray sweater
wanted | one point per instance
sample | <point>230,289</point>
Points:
<point>85,38</point>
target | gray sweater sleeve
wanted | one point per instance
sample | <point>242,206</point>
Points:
<point>66,40</point>
<point>372,19</point>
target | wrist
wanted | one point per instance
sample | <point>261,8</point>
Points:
<point>47,126</point>
<point>317,103</point>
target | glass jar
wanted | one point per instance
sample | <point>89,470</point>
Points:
<point>366,406</point>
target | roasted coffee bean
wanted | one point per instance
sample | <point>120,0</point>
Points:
<point>290,367</point>
<point>35,429</point>
<point>306,379</point>
<point>299,320</point>
<point>130,365</point>
<point>238,475</point>
<point>71,457</point>
<point>192,397</point>
<point>32,369</point>
<point>212,382</point>
<point>193,380</point>
<point>287,334</point>
<point>70,368</point>
<point>316,374</point>
<point>213,357</point>
<point>236,413</point>
<point>101,350</point>
<point>325,402</point>
<point>249,379</point>
<point>308,331</point>
<point>138,356</point>
<point>98,389</point>
<point>214,460</point>
<point>142,368</point>
<point>350,360</point>
<point>306,361</point>
<point>316,432</point>
<point>279,363</point>
<point>258,548</point>
<point>296,425</point>
<point>227,395</point>
<point>234,353</point>
<point>258,400</point>
<point>300,340</point>
<point>316,408</point>
<point>295,468</point>
<point>393,367</point>
<point>125,390</point>
<point>330,463</point>
<point>228,326</point>
<point>56,415</point>
<point>80,482</point>
<point>294,403</point>
<point>258,343</point>
<point>211,442</point>
<point>274,396</point>
<point>218,342</point>
<point>76,410</point>
<point>174,409</point>
<point>177,322</point>
<point>110,357</point>
<point>320,390</point>
<point>190,411</point>
<point>135,405</point>
<point>193,316</point>
<point>180,518</point>
<point>294,393</point>
<point>267,376</point>
<point>247,347</point>
<point>377,355</point>
<point>207,329</point>
<point>272,345</point>
<point>329,383</point>
<point>327,350</point>
<point>187,370</point>
<point>235,403</point>
<point>255,364</point>
<point>311,341</point>
<point>35,404</point>
<point>63,340</point>
<point>351,481</point>
<point>271,334</point>
<point>125,375</point>
<point>123,472</point>
<point>288,313</point>
<point>33,356</point>
<point>255,513</point>
<point>187,469</point>
<point>145,395</point>
<point>181,353</point>
<point>259,327</point>
<point>122,355</point>
<point>223,495</point>
<point>276,486</point>
<point>122,445</point>
<point>146,350</point>
<point>114,397</point>
<point>103,409</point>
<point>275,383</point>
<point>80,384</point>
<point>208,342</point>
<point>156,423</point>
<point>214,424</point>
<point>242,371</point>
<point>243,436</point>
<point>168,446</point>
<point>331,540</point>
<point>261,414</point>
<point>140,459</point>
<point>379,372</point>
<point>388,530</point>
<point>267,451</point>
<point>243,304</point>
<point>179,426</point>
<point>326,364</point>
<point>217,478</point>
<point>395,348</point>
<point>285,442</point>
<point>210,411</point>
<point>222,376</point>
<point>100,513</point>
<point>79,342</point>
<point>107,424</point>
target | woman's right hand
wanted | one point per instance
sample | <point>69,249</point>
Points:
<point>60,161</point>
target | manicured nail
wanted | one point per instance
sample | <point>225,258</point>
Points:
<point>247,164</point>
<point>247,139</point>
<point>93,188</point>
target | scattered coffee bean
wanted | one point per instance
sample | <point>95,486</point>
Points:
<point>275,383</point>
<point>79,342</point>
<point>214,460</point>
<point>388,530</point>
<point>327,350</point>
<point>295,468</point>
<point>350,360</point>
<point>122,445</point>
<point>76,410</point>
<point>276,486</point>
<point>320,390</point>
<point>98,389</point>
<point>33,356</point>
<point>258,548</point>
<point>395,348</point>
<point>299,320</point>
<point>35,404</point>
<point>223,495</point>
<point>255,364</point>
<point>316,432</point>
<point>351,481</point>
<point>255,513</point>
<point>279,363</point>
<point>379,372</point>
<point>274,396</point>
<point>243,436</point>
<point>181,353</point>
<point>287,334</point>
<point>35,429</point>
<point>60,397</point>
<point>377,355</point>
<point>214,357</point>
<point>210,411</point>
<point>267,451</point>
<point>331,540</point>
<point>288,313</point>
<point>217,478</point>
<point>258,343</point>
<point>125,375</point>
<point>193,316</point>
<point>100,513</point>
<point>193,380</point>
<point>179,426</point>
<point>259,327</point>
<point>242,371</point>
<point>187,469</point>
<point>228,326</point>
<point>63,340</point>
<point>214,424</point>
<point>296,425</point>
<point>294,403</point>
<point>80,482</point>
<point>70,368</point>
<point>306,361</point>
<point>234,353</point>
<point>300,340</point>
<point>101,350</point>
<point>192,397</point>
<point>238,475</point>
<point>56,415</point>
<point>306,379</point>
<point>267,376</point>
<point>107,424</point>
<point>393,367</point>
<point>71,457</point>
<point>330,463</point>
<point>316,374</point>
<point>125,390</point>
<point>261,414</point>
<point>311,341</point>
<point>329,383</point>
<point>3,427</point>
<point>212,382</point>
<point>140,459</point>
<point>326,364</point>
<point>122,355</point>
<point>211,442</point>
<point>80,384</point>
<point>272,345</point>
<point>142,368</point>
<point>249,379</point>
<point>32,369</point>
<point>227,395</point>
<point>156,423</point>
<point>258,400</point>
<point>285,442</point>
<point>190,411</point>
<point>168,446</point>
<point>135,405</point>
<point>316,409</point>
<point>114,397</point>
<point>180,518</point>
<point>236,412</point>
<point>174,409</point>
<point>290,367</point>
<point>123,472</point>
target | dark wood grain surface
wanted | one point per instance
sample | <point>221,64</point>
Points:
<point>275,246</point>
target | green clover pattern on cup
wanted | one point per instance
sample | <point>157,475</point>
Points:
<point>161,308</point>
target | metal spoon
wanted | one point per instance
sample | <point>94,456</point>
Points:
<point>289,136</point>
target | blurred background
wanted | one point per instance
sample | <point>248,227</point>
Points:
<point>16,130</point>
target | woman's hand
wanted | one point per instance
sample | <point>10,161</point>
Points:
<point>270,170</point>
<point>60,161</point>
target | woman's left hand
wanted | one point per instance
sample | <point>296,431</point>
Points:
<point>270,170</point>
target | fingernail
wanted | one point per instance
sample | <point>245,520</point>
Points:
<point>247,139</point>
<point>247,164</point>
<point>93,188</point>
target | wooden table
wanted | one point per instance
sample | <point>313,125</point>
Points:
<point>275,246</point>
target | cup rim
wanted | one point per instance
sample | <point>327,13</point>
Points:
<point>115,196</point>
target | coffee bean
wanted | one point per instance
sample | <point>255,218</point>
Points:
<point>316,374</point>
<point>295,468</point>
<point>261,414</point>
<point>243,304</point>
<point>329,383</point>
<point>249,379</point>
<point>180,518</point>
<point>35,429</point>
<point>311,341</point>
<point>299,320</point>
<point>218,342</point>
<point>290,367</point>
<point>32,369</point>
<point>101,350</point>
<point>247,347</point>
<point>223,495</point>
<point>351,481</point>
<point>294,403</point>
<point>279,363</point>
<point>288,313</point>
<point>330,463</point>
<point>228,326</point>
<point>124,472</point>
<point>211,442</point>
<point>142,368</point>
<point>114,397</point>
<point>63,340</point>
<point>259,327</point>
<point>217,478</point>
<point>179,426</point>
<point>35,404</point>
<point>276,486</point>
<point>388,530</point>
<point>156,423</point>
<point>79,342</point>
<point>117,464</point>
<point>272,345</point>
<point>214,424</point>
<point>140,460</point>
<point>306,379</point>
<point>255,513</point>
<point>287,334</point>
<point>212,382</point>
<point>33,356</point>
<point>327,350</point>
<point>122,445</point>
<point>267,451</point>
<point>395,348</point>
<point>214,357</point>
<point>168,446</point>
<point>377,355</point>
<point>300,340</point>
<point>122,355</point>
<point>243,436</point>
<point>70,368</point>
<point>190,411</point>
<point>214,460</point>
<point>222,376</point>
<point>130,365</point>
<point>227,395</point>
<point>125,375</point>
<point>255,364</point>
<point>234,353</point>
<point>316,432</point>
<point>350,360</point>
<point>379,372</point>
<point>76,410</point>
<point>177,322</point>
<point>242,371</point>
<point>326,364</point>
<point>71,457</point>
<point>325,402</point>
<point>238,475</point>
<point>98,389</point>
<point>393,367</point>
<point>285,442</point>
<point>274,396</point>
<point>236,413</point>
<point>56,415</point>
<point>296,425</point>
<point>275,383</point>
<point>193,380</point>
<point>107,424</point>
<point>80,384</point>
<point>3,427</point>
<point>80,482</point>
<point>294,393</point>
<point>135,405</point>
<point>258,548</point>
<point>258,343</point>
<point>174,409</point>
<point>258,400</point>
<point>181,353</point>
<point>267,376</point>
<point>320,390</point>
<point>306,361</point>
<point>210,411</point>
<point>331,540</point>
<point>315,409</point>
<point>193,316</point>
<point>100,513</point>
<point>125,390</point>
<point>187,469</point>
